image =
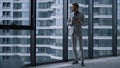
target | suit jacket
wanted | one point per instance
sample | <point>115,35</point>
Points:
<point>75,26</point>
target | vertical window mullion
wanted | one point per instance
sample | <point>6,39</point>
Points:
<point>90,29</point>
<point>33,33</point>
<point>65,31</point>
<point>114,27</point>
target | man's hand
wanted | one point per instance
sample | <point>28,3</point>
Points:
<point>77,20</point>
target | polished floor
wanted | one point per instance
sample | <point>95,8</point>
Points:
<point>107,62</point>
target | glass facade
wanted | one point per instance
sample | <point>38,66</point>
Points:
<point>49,29</point>
<point>49,33</point>
<point>102,27</point>
<point>14,12</point>
<point>15,44</point>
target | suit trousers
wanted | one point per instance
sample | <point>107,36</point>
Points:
<point>77,35</point>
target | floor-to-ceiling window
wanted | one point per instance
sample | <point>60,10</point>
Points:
<point>84,9</point>
<point>102,13</point>
<point>15,44</point>
<point>49,31</point>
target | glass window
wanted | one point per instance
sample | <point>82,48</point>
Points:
<point>44,5</point>
<point>17,14</point>
<point>6,22</point>
<point>44,14</point>
<point>102,28</point>
<point>17,5</point>
<point>15,44</point>
<point>49,31</point>
<point>102,11</point>
<point>17,10</point>
<point>6,5</point>
<point>103,2</point>
<point>103,22</point>
<point>6,14</point>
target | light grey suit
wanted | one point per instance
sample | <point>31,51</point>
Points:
<point>75,31</point>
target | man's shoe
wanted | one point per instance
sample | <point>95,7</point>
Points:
<point>82,64</point>
<point>75,62</point>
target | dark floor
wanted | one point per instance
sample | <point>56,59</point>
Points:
<point>107,62</point>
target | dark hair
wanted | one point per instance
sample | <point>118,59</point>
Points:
<point>76,5</point>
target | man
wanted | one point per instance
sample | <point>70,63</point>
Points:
<point>76,21</point>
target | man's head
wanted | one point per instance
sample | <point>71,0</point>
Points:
<point>75,7</point>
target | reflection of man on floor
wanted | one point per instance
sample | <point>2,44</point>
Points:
<point>76,21</point>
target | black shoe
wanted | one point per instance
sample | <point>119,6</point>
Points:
<point>75,62</point>
<point>82,64</point>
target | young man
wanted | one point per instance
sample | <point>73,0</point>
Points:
<point>76,21</point>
